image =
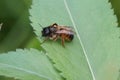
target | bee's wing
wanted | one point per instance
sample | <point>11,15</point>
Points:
<point>65,28</point>
<point>68,28</point>
<point>64,32</point>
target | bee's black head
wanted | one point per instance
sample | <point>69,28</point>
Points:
<point>49,30</point>
<point>46,31</point>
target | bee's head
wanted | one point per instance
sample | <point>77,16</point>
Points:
<point>46,31</point>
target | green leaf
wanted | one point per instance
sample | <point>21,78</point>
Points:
<point>27,65</point>
<point>94,52</point>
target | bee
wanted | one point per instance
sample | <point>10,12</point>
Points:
<point>56,31</point>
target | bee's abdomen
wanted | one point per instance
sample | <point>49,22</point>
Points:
<point>68,37</point>
<point>71,36</point>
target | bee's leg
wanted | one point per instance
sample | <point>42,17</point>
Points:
<point>55,38</point>
<point>63,40</point>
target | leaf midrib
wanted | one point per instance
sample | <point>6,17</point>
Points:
<point>24,70</point>
<point>80,41</point>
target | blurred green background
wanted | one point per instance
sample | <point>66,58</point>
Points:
<point>17,32</point>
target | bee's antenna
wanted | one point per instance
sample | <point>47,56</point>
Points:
<point>40,25</point>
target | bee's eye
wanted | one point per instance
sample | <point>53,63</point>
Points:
<point>45,32</point>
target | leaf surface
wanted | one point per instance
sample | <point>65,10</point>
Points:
<point>94,52</point>
<point>27,65</point>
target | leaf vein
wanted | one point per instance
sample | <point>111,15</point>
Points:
<point>77,33</point>
<point>25,70</point>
